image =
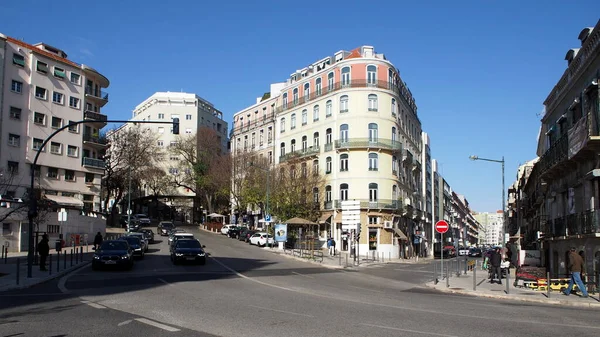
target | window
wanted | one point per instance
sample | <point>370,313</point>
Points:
<point>304,143</point>
<point>345,76</point>
<point>344,162</point>
<point>372,102</point>
<point>344,104</point>
<point>304,117</point>
<point>344,133</point>
<point>390,79</point>
<point>270,157</point>
<point>73,128</point>
<point>343,191</point>
<point>306,92</point>
<point>52,172</point>
<point>373,161</point>
<point>394,193</point>
<point>173,170</point>
<point>316,139</point>
<point>39,118</point>
<point>253,140</point>
<point>394,165</point>
<point>160,143</point>
<point>161,129</point>
<point>371,75</point>
<point>74,102</point>
<point>42,67</point>
<point>318,87</point>
<point>295,96</point>
<point>14,140</point>
<point>19,60</point>
<point>13,167</point>
<point>16,86</point>
<point>282,126</point>
<point>41,93</point>
<point>373,132</point>
<point>173,143</point>
<point>285,100</point>
<point>270,135</point>
<point>59,73</point>
<point>69,175</point>
<point>56,122</point>
<point>15,113</point>
<point>328,193</point>
<point>282,149</point>
<point>37,144</point>
<point>315,195</point>
<point>315,113</point>
<point>58,98</point>
<point>161,116</point>
<point>75,78</point>
<point>394,134</point>
<point>328,108</point>
<point>394,107</point>
<point>89,178</point>
<point>328,165</point>
<point>188,131</point>
<point>293,122</point>
<point>293,146</point>
<point>72,151</point>
<point>373,192</point>
<point>261,137</point>
<point>188,117</point>
<point>55,148</point>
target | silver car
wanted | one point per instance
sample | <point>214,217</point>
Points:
<point>143,239</point>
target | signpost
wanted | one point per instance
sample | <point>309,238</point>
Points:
<point>441,227</point>
<point>351,220</point>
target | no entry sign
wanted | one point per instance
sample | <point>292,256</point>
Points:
<point>441,226</point>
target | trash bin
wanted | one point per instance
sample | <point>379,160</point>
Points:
<point>58,245</point>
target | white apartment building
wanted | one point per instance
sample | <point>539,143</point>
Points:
<point>353,117</point>
<point>490,230</point>
<point>42,90</point>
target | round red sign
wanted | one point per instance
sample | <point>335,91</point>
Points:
<point>441,226</point>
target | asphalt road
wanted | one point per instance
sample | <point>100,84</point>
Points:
<point>247,291</point>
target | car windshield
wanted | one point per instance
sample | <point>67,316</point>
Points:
<point>188,244</point>
<point>187,236</point>
<point>114,245</point>
<point>167,225</point>
<point>132,240</point>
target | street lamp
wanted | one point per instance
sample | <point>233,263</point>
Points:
<point>503,192</point>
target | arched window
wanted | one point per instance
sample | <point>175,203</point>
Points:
<point>282,149</point>
<point>306,92</point>
<point>328,136</point>
<point>394,134</point>
<point>316,139</point>
<point>295,95</point>
<point>328,165</point>
<point>343,191</point>
<point>371,75</point>
<point>394,165</point>
<point>344,162</point>
<point>394,107</point>
<point>330,81</point>
<point>318,86</point>
<point>372,102</point>
<point>344,133</point>
<point>315,113</point>
<point>328,193</point>
<point>373,161</point>
<point>293,146</point>
<point>328,108</point>
<point>304,117</point>
<point>293,122</point>
<point>315,167</point>
<point>304,143</point>
<point>373,132</point>
<point>373,192</point>
<point>282,126</point>
<point>285,100</point>
<point>345,76</point>
<point>315,195</point>
<point>344,104</point>
<point>390,79</point>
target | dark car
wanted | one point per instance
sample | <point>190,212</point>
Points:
<point>113,253</point>
<point>136,245</point>
<point>248,235</point>
<point>475,252</point>
<point>164,227</point>
<point>243,233</point>
<point>148,234</point>
<point>234,232</point>
<point>188,250</point>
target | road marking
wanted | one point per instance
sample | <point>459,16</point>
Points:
<point>281,311</point>
<point>406,330</point>
<point>94,305</point>
<point>250,278</point>
<point>157,325</point>
<point>63,280</point>
<point>125,322</point>
<point>165,282</point>
<point>302,274</point>
<point>377,291</point>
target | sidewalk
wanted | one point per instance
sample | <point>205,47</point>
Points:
<point>464,283</point>
<point>8,268</point>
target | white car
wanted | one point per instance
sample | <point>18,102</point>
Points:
<point>180,236</point>
<point>260,239</point>
<point>225,229</point>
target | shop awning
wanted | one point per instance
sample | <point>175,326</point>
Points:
<point>400,234</point>
<point>64,201</point>
<point>325,218</point>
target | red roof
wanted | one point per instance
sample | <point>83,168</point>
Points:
<point>42,52</point>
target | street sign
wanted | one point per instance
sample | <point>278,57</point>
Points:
<point>268,218</point>
<point>350,213</point>
<point>441,226</point>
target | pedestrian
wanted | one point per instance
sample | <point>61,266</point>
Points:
<point>98,240</point>
<point>43,249</point>
<point>329,246</point>
<point>576,267</point>
<point>332,247</point>
<point>496,262</point>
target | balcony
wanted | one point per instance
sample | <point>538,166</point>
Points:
<point>366,143</point>
<point>299,154</point>
<point>256,123</point>
<point>93,163</point>
<point>94,140</point>
<point>101,97</point>
<point>584,223</point>
<point>95,116</point>
<point>556,156</point>
<point>407,157</point>
<point>383,204</point>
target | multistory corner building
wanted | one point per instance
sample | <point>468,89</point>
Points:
<point>521,234</point>
<point>442,203</point>
<point>353,116</point>
<point>563,189</point>
<point>194,113</point>
<point>491,225</point>
<point>41,91</point>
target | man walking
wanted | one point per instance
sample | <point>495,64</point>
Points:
<point>43,249</point>
<point>496,262</point>
<point>332,248</point>
<point>98,240</point>
<point>576,267</point>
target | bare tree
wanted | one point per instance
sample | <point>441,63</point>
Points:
<point>17,208</point>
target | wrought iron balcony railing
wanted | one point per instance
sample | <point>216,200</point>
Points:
<point>309,151</point>
<point>378,143</point>
<point>557,153</point>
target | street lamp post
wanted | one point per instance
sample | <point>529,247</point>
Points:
<point>503,193</point>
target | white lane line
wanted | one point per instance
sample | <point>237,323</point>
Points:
<point>406,330</point>
<point>368,289</point>
<point>125,322</point>
<point>250,278</point>
<point>94,305</point>
<point>302,274</point>
<point>157,325</point>
<point>165,282</point>
<point>281,311</point>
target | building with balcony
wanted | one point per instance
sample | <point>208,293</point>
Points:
<point>520,233</point>
<point>464,228</point>
<point>42,91</point>
<point>490,227</point>
<point>353,117</point>
<point>427,191</point>
<point>563,189</point>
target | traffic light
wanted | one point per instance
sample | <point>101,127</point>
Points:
<point>175,126</point>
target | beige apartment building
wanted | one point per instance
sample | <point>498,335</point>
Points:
<point>42,90</point>
<point>353,117</point>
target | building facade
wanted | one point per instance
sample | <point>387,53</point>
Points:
<point>353,117</point>
<point>490,225</point>
<point>561,195</point>
<point>428,193</point>
<point>42,91</point>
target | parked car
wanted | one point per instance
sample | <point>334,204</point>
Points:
<point>136,245</point>
<point>234,232</point>
<point>113,253</point>
<point>475,252</point>
<point>463,251</point>
<point>260,239</point>
<point>247,235</point>
<point>188,250</point>
<point>164,227</point>
<point>225,229</point>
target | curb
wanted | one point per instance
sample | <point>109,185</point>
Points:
<point>305,260</point>
<point>48,279</point>
<point>515,298</point>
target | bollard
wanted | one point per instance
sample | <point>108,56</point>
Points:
<point>508,281</point>
<point>2,253</point>
<point>466,263</point>
<point>475,276</point>
<point>81,254</point>
<point>50,264</point>
<point>447,276</point>
<point>65,260</point>
<point>435,274</point>
<point>76,256</point>
<point>548,284</point>
<point>57,262</point>
<point>5,255</point>
<point>18,269</point>
<point>340,257</point>
<point>346,260</point>
<point>71,257</point>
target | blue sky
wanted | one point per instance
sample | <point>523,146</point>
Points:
<point>479,72</point>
